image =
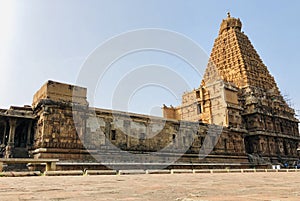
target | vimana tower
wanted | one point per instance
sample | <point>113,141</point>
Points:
<point>238,92</point>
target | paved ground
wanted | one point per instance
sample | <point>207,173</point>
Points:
<point>178,187</point>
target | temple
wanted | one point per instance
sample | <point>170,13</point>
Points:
<point>236,118</point>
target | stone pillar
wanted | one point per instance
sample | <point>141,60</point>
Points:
<point>4,132</point>
<point>29,133</point>
<point>11,137</point>
<point>2,145</point>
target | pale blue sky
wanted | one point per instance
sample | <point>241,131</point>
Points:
<point>50,39</point>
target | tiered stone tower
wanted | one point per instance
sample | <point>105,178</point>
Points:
<point>238,92</point>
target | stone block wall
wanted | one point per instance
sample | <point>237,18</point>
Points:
<point>111,130</point>
<point>72,131</point>
<point>57,113</point>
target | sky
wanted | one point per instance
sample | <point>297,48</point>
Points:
<point>44,40</point>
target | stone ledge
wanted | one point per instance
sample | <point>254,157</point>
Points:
<point>248,170</point>
<point>202,171</point>
<point>100,172</point>
<point>235,170</point>
<point>64,173</point>
<point>158,172</point>
<point>20,174</point>
<point>135,172</point>
<point>271,170</point>
<point>181,171</point>
<point>130,172</point>
<point>220,171</point>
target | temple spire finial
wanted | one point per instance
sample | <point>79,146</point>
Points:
<point>228,14</point>
<point>230,22</point>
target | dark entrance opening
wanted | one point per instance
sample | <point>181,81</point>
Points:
<point>21,134</point>
<point>248,141</point>
<point>2,133</point>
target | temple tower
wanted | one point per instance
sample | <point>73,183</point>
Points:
<point>238,92</point>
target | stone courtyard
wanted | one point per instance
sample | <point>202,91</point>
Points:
<point>179,187</point>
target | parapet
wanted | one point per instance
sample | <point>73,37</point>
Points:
<point>60,92</point>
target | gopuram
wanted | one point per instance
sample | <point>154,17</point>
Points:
<point>236,118</point>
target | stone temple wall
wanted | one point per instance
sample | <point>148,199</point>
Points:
<point>71,131</point>
<point>134,132</point>
<point>108,130</point>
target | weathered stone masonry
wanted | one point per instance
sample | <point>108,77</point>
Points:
<point>54,114</point>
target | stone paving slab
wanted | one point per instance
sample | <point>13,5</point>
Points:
<point>167,187</point>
